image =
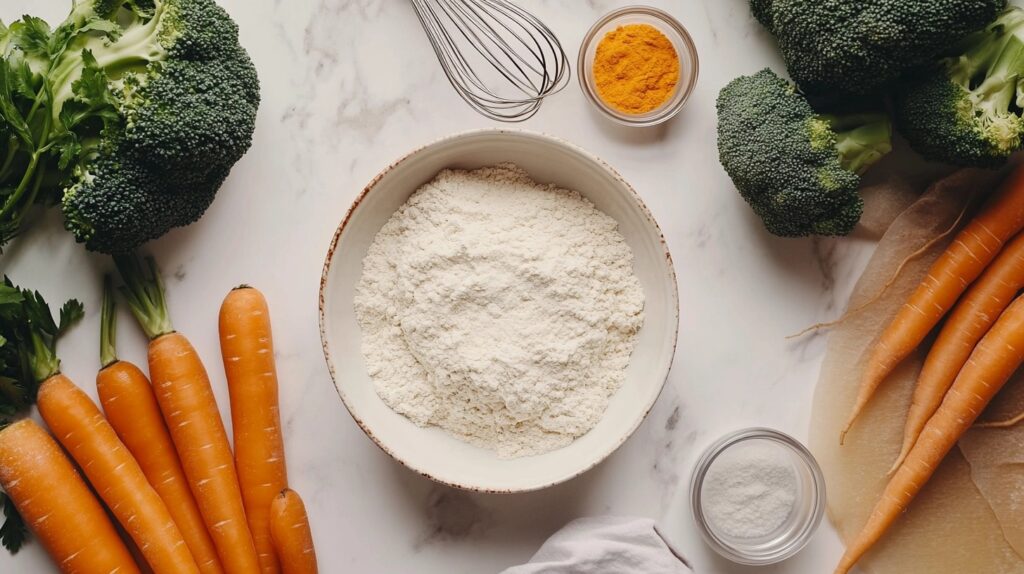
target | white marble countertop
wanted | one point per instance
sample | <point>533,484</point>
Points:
<point>349,86</point>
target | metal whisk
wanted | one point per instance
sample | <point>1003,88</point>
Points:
<point>502,60</point>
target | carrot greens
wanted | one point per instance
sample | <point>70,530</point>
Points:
<point>13,532</point>
<point>28,356</point>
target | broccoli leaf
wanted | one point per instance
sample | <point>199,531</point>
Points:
<point>14,532</point>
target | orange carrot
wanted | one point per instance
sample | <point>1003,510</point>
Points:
<point>131,407</point>
<point>113,472</point>
<point>999,353</point>
<point>972,317</point>
<point>289,529</point>
<point>248,351</point>
<point>57,505</point>
<point>965,259</point>
<point>186,400</point>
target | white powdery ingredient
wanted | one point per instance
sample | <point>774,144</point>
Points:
<point>749,491</point>
<point>499,309</point>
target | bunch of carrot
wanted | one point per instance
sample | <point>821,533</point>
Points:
<point>160,459</point>
<point>979,278</point>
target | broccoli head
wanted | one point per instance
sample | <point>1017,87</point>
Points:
<point>858,46</point>
<point>968,110</point>
<point>798,170</point>
<point>149,104</point>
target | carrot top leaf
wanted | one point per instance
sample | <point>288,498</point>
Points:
<point>13,532</point>
<point>144,291</point>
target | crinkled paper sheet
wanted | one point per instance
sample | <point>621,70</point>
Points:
<point>970,517</point>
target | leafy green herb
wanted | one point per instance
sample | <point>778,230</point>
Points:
<point>14,532</point>
<point>28,345</point>
<point>129,114</point>
<point>38,149</point>
<point>28,356</point>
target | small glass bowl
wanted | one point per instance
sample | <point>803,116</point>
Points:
<point>790,537</point>
<point>673,30</point>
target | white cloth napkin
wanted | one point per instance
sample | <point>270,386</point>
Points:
<point>606,544</point>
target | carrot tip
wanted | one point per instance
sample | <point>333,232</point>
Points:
<point>243,286</point>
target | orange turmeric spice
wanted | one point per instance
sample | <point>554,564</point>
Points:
<point>636,69</point>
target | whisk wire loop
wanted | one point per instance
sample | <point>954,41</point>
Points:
<point>523,60</point>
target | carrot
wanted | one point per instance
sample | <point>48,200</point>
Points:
<point>248,351</point>
<point>289,529</point>
<point>972,317</point>
<point>57,505</point>
<point>186,400</point>
<point>113,472</point>
<point>999,353</point>
<point>972,250</point>
<point>131,407</point>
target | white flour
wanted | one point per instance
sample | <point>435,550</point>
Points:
<point>499,309</point>
<point>749,491</point>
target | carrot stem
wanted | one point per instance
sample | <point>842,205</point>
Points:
<point>108,325</point>
<point>144,291</point>
<point>186,399</point>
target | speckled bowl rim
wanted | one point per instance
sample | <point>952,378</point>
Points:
<point>648,216</point>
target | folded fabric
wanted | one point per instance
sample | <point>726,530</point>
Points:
<point>606,544</point>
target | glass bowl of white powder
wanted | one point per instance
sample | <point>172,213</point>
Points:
<point>757,496</point>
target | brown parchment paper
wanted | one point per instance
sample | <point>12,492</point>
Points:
<point>951,527</point>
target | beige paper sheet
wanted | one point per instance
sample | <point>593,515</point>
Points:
<point>951,527</point>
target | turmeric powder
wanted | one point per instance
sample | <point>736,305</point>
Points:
<point>636,69</point>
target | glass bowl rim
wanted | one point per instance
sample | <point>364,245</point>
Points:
<point>684,90</point>
<point>818,491</point>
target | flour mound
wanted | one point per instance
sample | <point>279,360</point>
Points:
<point>499,309</point>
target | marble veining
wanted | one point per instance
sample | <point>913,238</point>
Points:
<point>350,86</point>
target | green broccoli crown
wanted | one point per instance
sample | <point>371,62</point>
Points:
<point>799,171</point>
<point>153,102</point>
<point>762,10</point>
<point>124,202</point>
<point>858,46</point>
<point>968,112</point>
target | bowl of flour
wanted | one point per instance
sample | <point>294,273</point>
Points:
<point>499,311</point>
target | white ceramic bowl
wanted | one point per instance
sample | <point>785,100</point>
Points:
<point>431,451</point>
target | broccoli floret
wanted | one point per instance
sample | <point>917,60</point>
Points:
<point>762,10</point>
<point>798,170</point>
<point>968,110</point>
<point>152,102</point>
<point>858,46</point>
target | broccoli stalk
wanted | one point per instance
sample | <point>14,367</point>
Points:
<point>968,111</point>
<point>861,139</point>
<point>798,170</point>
